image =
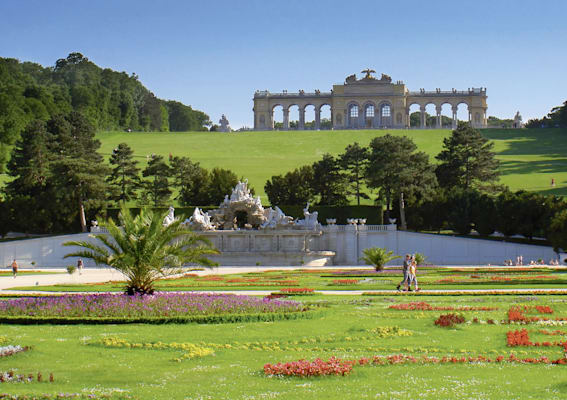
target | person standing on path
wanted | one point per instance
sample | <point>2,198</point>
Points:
<point>14,267</point>
<point>80,266</point>
<point>405,267</point>
<point>412,274</point>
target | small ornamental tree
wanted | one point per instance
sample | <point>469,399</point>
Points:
<point>124,178</point>
<point>145,250</point>
<point>378,257</point>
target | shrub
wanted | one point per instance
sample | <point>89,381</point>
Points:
<point>378,257</point>
<point>71,269</point>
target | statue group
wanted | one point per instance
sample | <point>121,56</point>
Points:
<point>242,205</point>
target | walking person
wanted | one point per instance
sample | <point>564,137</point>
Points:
<point>14,267</point>
<point>405,268</point>
<point>412,275</point>
<point>80,266</point>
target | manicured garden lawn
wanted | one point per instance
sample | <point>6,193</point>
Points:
<point>348,328</point>
<point>530,157</point>
<point>360,279</point>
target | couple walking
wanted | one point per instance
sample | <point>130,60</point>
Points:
<point>409,270</point>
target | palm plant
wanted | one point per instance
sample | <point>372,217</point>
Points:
<point>378,257</point>
<point>144,250</point>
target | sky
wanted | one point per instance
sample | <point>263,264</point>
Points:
<point>213,55</point>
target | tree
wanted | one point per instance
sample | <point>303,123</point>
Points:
<point>77,171</point>
<point>221,183</point>
<point>144,250</point>
<point>396,168</point>
<point>293,188</point>
<point>156,188</point>
<point>467,159</point>
<point>378,257</point>
<point>353,161</point>
<point>192,180</point>
<point>328,182</point>
<point>124,178</point>
<point>557,232</point>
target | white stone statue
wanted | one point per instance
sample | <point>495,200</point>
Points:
<point>352,221</point>
<point>310,221</point>
<point>331,221</point>
<point>275,218</point>
<point>240,192</point>
<point>518,121</point>
<point>170,217</point>
<point>200,220</point>
<point>94,226</point>
<point>224,124</point>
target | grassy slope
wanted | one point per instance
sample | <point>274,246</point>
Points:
<point>237,374</point>
<point>530,158</point>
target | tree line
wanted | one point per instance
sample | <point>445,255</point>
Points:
<point>556,118</point>
<point>59,180</point>
<point>108,99</point>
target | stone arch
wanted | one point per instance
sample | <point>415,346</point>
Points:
<point>325,113</point>
<point>276,116</point>
<point>463,115</point>
<point>385,114</point>
<point>353,113</point>
<point>431,114</point>
<point>370,114</point>
<point>294,111</point>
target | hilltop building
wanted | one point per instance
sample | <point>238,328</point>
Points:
<point>369,103</point>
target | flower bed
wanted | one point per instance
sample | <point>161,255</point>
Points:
<point>337,366</point>
<point>297,290</point>
<point>7,351</point>
<point>304,368</point>
<point>517,314</point>
<point>519,292</point>
<point>341,282</point>
<point>162,307</point>
<point>423,306</point>
<point>449,320</point>
<point>522,338</point>
<point>11,376</point>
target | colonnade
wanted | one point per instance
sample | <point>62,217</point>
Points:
<point>301,121</point>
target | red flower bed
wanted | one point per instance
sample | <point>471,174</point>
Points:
<point>345,281</point>
<point>518,314</point>
<point>337,366</point>
<point>297,290</point>
<point>552,333</point>
<point>303,368</point>
<point>423,306</point>
<point>449,320</point>
<point>522,338</point>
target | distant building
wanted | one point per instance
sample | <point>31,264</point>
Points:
<point>368,103</point>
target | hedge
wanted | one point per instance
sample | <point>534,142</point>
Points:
<point>197,319</point>
<point>373,214</point>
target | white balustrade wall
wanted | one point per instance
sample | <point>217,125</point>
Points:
<point>347,241</point>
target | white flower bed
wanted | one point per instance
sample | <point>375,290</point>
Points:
<point>10,350</point>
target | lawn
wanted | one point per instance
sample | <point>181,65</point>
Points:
<point>94,359</point>
<point>530,157</point>
<point>360,279</point>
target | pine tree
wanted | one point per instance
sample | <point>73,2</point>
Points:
<point>353,161</point>
<point>124,179</point>
<point>467,159</point>
<point>192,180</point>
<point>156,187</point>
<point>328,182</point>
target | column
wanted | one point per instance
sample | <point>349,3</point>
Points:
<point>408,118</point>
<point>361,118</point>
<point>317,118</point>
<point>454,123</point>
<point>271,120</point>
<point>286,119</point>
<point>422,116</point>
<point>438,110</point>
<point>301,123</point>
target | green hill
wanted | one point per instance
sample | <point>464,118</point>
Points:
<point>530,158</point>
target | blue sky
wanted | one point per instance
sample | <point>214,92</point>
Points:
<point>213,55</point>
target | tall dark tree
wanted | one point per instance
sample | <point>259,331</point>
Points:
<point>395,168</point>
<point>293,188</point>
<point>467,159</point>
<point>124,178</point>
<point>156,187</point>
<point>192,180</point>
<point>221,183</point>
<point>78,171</point>
<point>354,161</point>
<point>328,183</point>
